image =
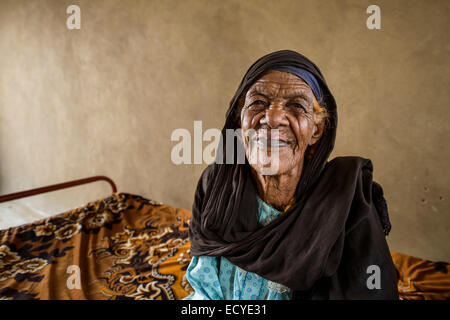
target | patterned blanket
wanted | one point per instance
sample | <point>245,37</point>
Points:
<point>121,247</point>
<point>126,247</point>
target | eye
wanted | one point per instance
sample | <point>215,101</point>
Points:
<point>258,103</point>
<point>298,105</point>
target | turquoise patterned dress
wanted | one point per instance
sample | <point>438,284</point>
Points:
<point>232,282</point>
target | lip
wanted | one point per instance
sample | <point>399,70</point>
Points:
<point>272,143</point>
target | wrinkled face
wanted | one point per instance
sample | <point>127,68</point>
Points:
<point>278,123</point>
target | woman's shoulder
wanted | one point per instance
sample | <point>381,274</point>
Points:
<point>350,163</point>
<point>371,192</point>
<point>349,171</point>
<point>204,179</point>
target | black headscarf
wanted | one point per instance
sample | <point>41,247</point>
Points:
<point>305,243</point>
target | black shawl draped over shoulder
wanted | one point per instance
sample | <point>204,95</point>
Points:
<point>323,245</point>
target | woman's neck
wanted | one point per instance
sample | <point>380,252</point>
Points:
<point>277,190</point>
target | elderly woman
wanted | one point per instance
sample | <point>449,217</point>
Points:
<point>311,228</point>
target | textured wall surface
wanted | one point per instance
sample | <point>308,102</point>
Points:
<point>105,99</point>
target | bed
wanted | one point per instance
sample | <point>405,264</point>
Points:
<point>127,247</point>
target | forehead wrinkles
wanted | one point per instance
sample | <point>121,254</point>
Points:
<point>285,89</point>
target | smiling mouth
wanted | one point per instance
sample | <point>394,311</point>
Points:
<point>272,143</point>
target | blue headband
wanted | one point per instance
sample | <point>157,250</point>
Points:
<point>306,76</point>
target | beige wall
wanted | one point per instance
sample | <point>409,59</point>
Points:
<point>105,99</point>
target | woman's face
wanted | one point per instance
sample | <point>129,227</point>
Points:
<point>282,101</point>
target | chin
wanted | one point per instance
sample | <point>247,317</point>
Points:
<point>273,168</point>
<point>284,163</point>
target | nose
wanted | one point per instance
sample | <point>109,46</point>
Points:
<point>275,117</point>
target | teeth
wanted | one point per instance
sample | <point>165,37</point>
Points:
<point>271,143</point>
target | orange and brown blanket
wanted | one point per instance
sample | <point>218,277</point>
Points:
<point>121,247</point>
<point>128,247</point>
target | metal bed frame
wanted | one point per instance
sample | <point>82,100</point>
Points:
<point>54,187</point>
